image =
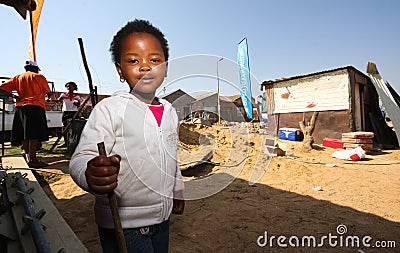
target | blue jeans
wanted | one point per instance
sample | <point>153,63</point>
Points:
<point>152,239</point>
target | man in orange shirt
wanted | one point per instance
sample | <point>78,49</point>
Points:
<point>30,123</point>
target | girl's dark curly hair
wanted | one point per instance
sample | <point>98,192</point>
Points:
<point>73,84</point>
<point>136,26</point>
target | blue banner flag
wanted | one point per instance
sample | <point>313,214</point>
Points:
<point>244,78</point>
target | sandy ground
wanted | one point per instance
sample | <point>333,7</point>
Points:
<point>299,196</point>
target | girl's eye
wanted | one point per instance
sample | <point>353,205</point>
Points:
<point>155,60</point>
<point>133,61</point>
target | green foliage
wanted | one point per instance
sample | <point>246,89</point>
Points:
<point>44,152</point>
<point>43,177</point>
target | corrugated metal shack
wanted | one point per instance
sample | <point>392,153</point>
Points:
<point>344,98</point>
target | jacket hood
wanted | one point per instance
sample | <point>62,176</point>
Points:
<point>123,94</point>
<point>127,95</point>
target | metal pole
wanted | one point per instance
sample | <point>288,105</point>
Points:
<point>32,218</point>
<point>218,103</point>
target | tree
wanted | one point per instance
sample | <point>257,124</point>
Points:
<point>307,129</point>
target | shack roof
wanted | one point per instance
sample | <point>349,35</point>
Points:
<point>278,80</point>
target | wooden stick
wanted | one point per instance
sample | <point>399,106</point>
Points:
<point>92,92</point>
<point>80,41</point>
<point>114,210</point>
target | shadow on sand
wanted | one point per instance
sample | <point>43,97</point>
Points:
<point>233,219</point>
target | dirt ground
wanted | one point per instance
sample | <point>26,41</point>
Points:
<point>298,196</point>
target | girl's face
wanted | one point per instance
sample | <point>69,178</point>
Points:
<point>70,88</point>
<point>142,63</point>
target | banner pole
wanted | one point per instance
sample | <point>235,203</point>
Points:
<point>32,37</point>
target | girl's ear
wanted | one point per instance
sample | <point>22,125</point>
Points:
<point>119,70</point>
<point>120,73</point>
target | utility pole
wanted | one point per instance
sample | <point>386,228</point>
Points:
<point>218,89</point>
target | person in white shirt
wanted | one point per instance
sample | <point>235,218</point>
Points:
<point>71,103</point>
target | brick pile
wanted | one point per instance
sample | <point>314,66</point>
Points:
<point>353,140</point>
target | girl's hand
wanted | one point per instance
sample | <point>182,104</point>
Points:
<point>102,173</point>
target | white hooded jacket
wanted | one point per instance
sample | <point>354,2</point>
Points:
<point>149,173</point>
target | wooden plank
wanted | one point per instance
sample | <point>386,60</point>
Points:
<point>358,135</point>
<point>58,232</point>
<point>319,94</point>
<point>358,140</point>
<point>14,162</point>
<point>364,146</point>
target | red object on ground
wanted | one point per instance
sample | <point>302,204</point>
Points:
<point>332,143</point>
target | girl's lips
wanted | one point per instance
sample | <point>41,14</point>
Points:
<point>146,79</point>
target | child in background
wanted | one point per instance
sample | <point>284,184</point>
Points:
<point>140,135</point>
<point>71,103</point>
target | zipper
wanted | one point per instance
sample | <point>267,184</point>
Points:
<point>162,174</point>
<point>163,164</point>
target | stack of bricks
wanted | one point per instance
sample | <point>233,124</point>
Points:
<point>358,139</point>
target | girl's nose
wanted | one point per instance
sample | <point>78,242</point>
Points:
<point>144,67</point>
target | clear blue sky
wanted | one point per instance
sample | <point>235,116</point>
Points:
<point>285,38</point>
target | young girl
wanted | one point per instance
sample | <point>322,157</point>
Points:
<point>140,135</point>
<point>71,102</point>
